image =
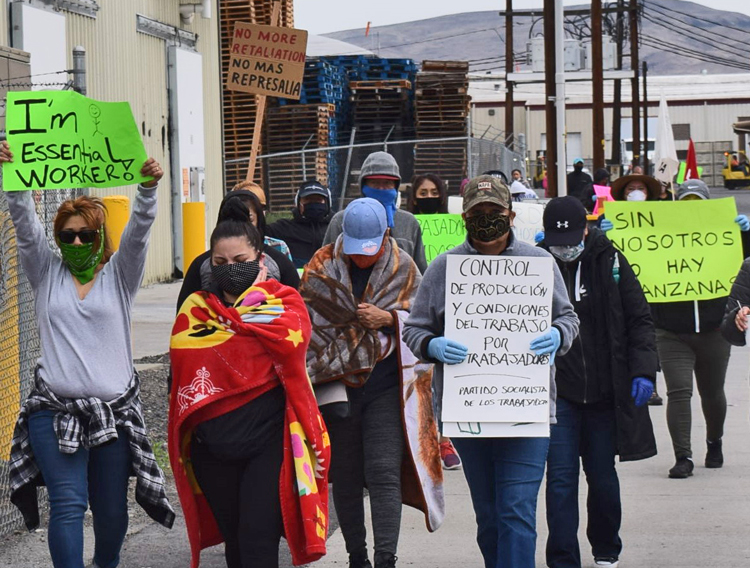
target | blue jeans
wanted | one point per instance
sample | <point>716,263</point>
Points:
<point>588,433</point>
<point>98,477</point>
<point>504,476</point>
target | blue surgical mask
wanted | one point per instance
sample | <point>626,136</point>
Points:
<point>386,197</point>
<point>568,253</point>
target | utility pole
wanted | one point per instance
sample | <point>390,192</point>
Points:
<point>616,105</point>
<point>509,103</point>
<point>79,69</point>
<point>597,83</point>
<point>562,162</point>
<point>634,65</point>
<point>645,119</point>
<point>551,95</point>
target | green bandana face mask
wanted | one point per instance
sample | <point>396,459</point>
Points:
<point>82,260</point>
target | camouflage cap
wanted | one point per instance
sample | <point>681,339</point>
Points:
<point>486,189</point>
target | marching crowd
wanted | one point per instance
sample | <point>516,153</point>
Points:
<point>281,384</point>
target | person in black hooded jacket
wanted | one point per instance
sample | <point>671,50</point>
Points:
<point>603,384</point>
<point>305,231</point>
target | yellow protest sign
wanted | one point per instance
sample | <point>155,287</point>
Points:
<point>688,250</point>
<point>62,140</point>
<point>440,232</point>
<point>267,60</point>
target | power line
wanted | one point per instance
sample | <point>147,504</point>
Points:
<point>691,32</point>
<point>696,17</point>
<point>679,50</point>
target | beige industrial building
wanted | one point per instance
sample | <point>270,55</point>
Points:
<point>160,56</point>
<point>701,107</point>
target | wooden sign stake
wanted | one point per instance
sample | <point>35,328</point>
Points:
<point>260,110</point>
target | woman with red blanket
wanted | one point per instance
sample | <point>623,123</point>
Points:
<point>247,444</point>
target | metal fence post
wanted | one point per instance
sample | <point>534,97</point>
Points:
<point>345,180</point>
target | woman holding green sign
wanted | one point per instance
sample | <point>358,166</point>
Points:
<point>81,430</point>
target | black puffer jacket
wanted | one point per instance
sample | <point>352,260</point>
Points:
<point>740,295</point>
<point>616,342</point>
<point>303,236</point>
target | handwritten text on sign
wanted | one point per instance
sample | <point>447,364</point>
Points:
<point>687,250</point>
<point>496,306</point>
<point>440,233</point>
<point>61,139</point>
<point>443,232</point>
<point>267,60</point>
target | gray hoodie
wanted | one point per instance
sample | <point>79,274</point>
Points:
<point>427,317</point>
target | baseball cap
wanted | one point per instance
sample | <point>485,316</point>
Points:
<point>577,161</point>
<point>364,226</point>
<point>517,188</point>
<point>693,187</point>
<point>564,221</point>
<point>379,165</point>
<point>486,189</point>
<point>312,188</point>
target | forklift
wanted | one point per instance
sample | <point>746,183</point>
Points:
<point>736,169</point>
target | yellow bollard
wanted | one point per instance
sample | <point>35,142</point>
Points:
<point>193,232</point>
<point>118,213</point>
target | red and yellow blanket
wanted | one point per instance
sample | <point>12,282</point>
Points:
<point>223,357</point>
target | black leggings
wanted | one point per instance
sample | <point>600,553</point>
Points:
<point>244,498</point>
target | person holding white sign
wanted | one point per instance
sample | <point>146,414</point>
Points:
<point>603,384</point>
<point>504,474</point>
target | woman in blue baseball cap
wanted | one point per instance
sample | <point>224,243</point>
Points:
<point>358,290</point>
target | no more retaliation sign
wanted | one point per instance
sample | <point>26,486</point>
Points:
<point>267,60</point>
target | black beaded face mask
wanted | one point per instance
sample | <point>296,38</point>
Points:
<point>235,278</point>
<point>487,227</point>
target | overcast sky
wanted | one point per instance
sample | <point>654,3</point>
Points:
<point>324,16</point>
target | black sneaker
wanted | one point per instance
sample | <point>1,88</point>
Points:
<point>682,469</point>
<point>359,561</point>
<point>714,455</point>
<point>655,399</point>
<point>385,560</point>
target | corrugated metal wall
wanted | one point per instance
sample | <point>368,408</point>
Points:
<point>123,64</point>
<point>4,26</point>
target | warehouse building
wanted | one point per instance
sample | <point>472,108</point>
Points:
<point>701,107</point>
<point>161,57</point>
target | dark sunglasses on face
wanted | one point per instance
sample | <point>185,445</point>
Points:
<point>68,236</point>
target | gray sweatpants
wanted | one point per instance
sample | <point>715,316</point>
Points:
<point>367,450</point>
<point>707,355</point>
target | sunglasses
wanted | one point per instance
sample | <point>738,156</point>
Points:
<point>68,236</point>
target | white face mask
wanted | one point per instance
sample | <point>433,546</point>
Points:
<point>637,195</point>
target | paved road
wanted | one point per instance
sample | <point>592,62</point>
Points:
<point>700,522</point>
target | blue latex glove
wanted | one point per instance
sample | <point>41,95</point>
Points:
<point>548,343</point>
<point>743,222</point>
<point>447,351</point>
<point>606,225</point>
<point>594,197</point>
<point>642,390</point>
<point>539,237</point>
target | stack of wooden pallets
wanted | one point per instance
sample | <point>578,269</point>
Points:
<point>289,128</point>
<point>239,108</point>
<point>441,110</point>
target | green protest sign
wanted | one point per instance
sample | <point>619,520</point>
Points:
<point>61,139</point>
<point>688,250</point>
<point>440,233</point>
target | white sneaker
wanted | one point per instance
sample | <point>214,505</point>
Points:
<point>606,561</point>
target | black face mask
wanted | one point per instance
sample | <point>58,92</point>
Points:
<point>235,278</point>
<point>315,211</point>
<point>487,227</point>
<point>428,205</point>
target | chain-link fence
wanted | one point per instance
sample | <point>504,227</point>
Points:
<point>452,158</point>
<point>19,341</point>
